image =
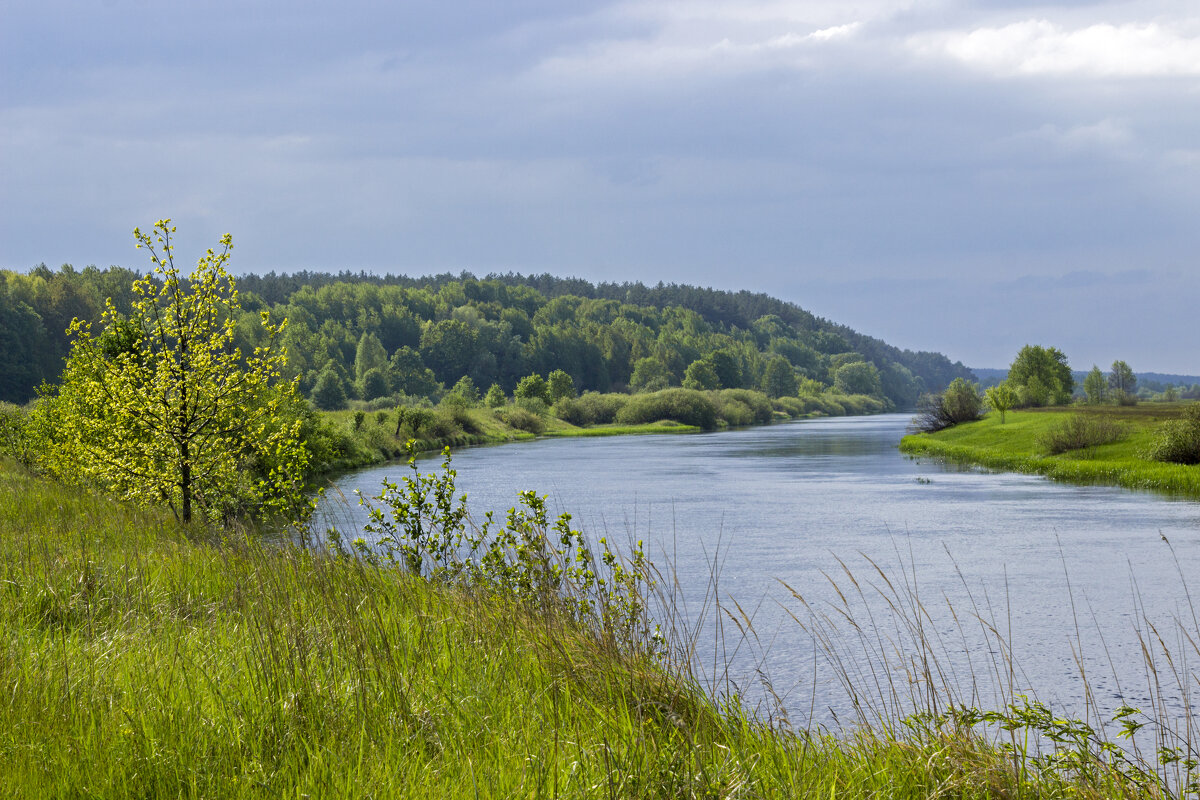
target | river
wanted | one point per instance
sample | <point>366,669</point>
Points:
<point>1066,578</point>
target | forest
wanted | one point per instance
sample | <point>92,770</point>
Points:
<point>396,339</point>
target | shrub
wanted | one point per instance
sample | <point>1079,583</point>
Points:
<point>560,385</point>
<point>602,408</point>
<point>736,413</point>
<point>1079,431</point>
<point>959,403</point>
<point>686,406</point>
<point>1178,441</point>
<point>16,438</point>
<point>522,419</point>
<point>571,411</point>
<point>792,406</point>
<point>534,405</point>
<point>533,386</point>
<point>495,397</point>
<point>758,403</point>
<point>374,384</point>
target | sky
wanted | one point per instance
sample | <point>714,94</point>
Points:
<point>952,175</point>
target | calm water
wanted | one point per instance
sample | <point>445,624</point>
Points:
<point>793,502</point>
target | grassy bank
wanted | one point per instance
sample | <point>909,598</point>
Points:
<point>356,437</point>
<point>1021,444</point>
<point>146,659</point>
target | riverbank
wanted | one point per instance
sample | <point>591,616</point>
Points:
<point>145,658</point>
<point>1022,444</point>
<point>354,438</point>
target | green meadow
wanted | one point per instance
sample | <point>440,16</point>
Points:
<point>144,658</point>
<point>1023,444</point>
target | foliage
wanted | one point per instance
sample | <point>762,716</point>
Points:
<point>169,409</point>
<point>1041,376</point>
<point>1123,383</point>
<point>1079,431</point>
<point>523,419</point>
<point>495,396</point>
<point>1178,441</point>
<point>961,402</point>
<point>1001,398</point>
<point>532,387</point>
<point>466,390</point>
<point>422,526</point>
<point>686,406</point>
<point>858,377</point>
<point>17,439</point>
<point>701,374</point>
<point>650,375</point>
<point>369,355</point>
<point>328,394</point>
<point>779,378</point>
<point>494,330</point>
<point>1095,388</point>
<point>559,385</point>
<point>374,384</point>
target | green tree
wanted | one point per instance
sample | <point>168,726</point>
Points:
<point>779,378</point>
<point>411,376</point>
<point>495,396</point>
<point>369,355</point>
<point>466,389</point>
<point>176,413</point>
<point>329,392</point>
<point>560,385</point>
<point>1095,386</point>
<point>729,371</point>
<point>857,377</point>
<point>1001,397</point>
<point>650,375</point>
<point>374,384</point>
<point>1041,376</point>
<point>1123,382</point>
<point>701,374</point>
<point>533,386</point>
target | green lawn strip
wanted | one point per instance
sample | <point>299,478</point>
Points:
<point>144,659</point>
<point>1016,446</point>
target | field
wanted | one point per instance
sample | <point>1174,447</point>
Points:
<point>1020,445</point>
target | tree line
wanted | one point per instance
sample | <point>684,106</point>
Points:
<point>395,338</point>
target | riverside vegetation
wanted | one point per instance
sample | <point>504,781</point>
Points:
<point>1149,446</point>
<point>149,658</point>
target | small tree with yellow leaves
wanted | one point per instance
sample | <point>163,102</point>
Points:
<point>161,407</point>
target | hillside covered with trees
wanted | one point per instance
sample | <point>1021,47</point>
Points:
<point>372,337</point>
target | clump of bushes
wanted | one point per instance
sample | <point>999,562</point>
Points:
<point>590,408</point>
<point>688,406</point>
<point>1079,431</point>
<point>1178,441</point>
<point>522,419</point>
<point>743,402</point>
<point>961,402</point>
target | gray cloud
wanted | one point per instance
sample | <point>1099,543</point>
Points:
<point>766,145</point>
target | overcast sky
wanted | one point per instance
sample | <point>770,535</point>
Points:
<point>953,175</point>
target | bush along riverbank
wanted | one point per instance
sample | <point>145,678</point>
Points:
<point>149,658</point>
<point>341,440</point>
<point>1135,447</point>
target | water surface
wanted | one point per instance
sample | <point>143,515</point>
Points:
<point>1068,573</point>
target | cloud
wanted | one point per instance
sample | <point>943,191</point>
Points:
<point>1042,47</point>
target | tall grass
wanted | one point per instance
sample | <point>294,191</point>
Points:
<point>147,659</point>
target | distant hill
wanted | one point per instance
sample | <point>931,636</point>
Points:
<point>419,336</point>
